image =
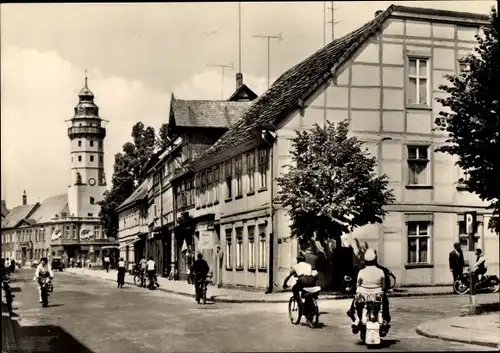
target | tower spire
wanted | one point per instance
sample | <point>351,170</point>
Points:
<point>86,78</point>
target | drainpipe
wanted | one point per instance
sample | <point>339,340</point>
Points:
<point>269,136</point>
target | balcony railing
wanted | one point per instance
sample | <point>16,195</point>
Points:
<point>86,130</point>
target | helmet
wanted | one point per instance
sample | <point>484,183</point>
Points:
<point>370,255</point>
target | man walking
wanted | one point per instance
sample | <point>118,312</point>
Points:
<point>142,268</point>
<point>151,268</point>
<point>457,262</point>
<point>106,263</point>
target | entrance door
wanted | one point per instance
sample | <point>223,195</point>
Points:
<point>24,255</point>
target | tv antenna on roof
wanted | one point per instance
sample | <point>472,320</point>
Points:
<point>278,39</point>
<point>222,67</point>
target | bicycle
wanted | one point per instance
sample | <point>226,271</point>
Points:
<point>139,279</point>
<point>310,303</point>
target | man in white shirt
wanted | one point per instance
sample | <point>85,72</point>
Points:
<point>305,278</point>
<point>151,268</point>
<point>42,271</point>
<point>106,263</point>
<point>480,266</point>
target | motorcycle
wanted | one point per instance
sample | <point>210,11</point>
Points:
<point>462,284</point>
<point>201,289</point>
<point>46,288</point>
<point>370,325</point>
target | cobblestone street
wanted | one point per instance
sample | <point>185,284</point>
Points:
<point>88,315</point>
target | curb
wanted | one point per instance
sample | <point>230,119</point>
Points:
<point>426,333</point>
<point>9,343</point>
<point>221,299</point>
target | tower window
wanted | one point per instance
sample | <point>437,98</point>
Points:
<point>79,158</point>
<point>92,200</point>
<point>91,143</point>
<point>79,143</point>
<point>100,159</point>
<point>90,214</point>
<point>100,144</point>
<point>71,159</point>
<point>91,158</point>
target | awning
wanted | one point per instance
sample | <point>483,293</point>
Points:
<point>128,243</point>
<point>109,247</point>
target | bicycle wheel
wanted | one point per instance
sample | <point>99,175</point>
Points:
<point>294,310</point>
<point>138,280</point>
<point>313,315</point>
<point>392,280</point>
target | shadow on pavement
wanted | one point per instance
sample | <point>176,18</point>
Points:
<point>384,343</point>
<point>46,338</point>
<point>54,305</point>
<point>15,289</point>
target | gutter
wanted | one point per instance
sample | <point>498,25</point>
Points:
<point>269,137</point>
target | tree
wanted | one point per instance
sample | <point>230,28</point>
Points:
<point>472,119</point>
<point>332,188</point>
<point>128,172</point>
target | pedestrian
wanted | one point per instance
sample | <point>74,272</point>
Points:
<point>457,262</point>
<point>12,265</point>
<point>121,273</point>
<point>151,268</point>
<point>143,270</point>
<point>219,259</point>
<point>200,270</point>
<point>106,263</point>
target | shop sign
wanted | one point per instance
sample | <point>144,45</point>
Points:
<point>206,240</point>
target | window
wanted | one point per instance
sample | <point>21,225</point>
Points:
<point>238,172</point>
<point>239,248</point>
<point>463,177</point>
<point>229,180</point>
<point>216,184</point>
<point>198,186</point>
<point>210,175</point>
<point>251,171</point>
<point>229,247</point>
<point>92,200</point>
<point>204,188</point>
<point>91,158</point>
<point>191,191</point>
<point>67,234</point>
<point>100,159</point>
<point>100,144</point>
<point>79,158</point>
<point>79,143</point>
<point>91,143</point>
<point>463,237</point>
<point>418,242</point>
<point>263,162</point>
<point>71,159</point>
<point>97,232</point>
<point>418,81</point>
<point>262,247</point>
<point>463,65</point>
<point>417,165</point>
<point>186,193</point>
<point>74,232</point>
<point>90,214</point>
<point>251,246</point>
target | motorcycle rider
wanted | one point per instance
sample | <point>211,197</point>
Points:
<point>480,266</point>
<point>42,271</point>
<point>371,280</point>
<point>306,277</point>
<point>200,269</point>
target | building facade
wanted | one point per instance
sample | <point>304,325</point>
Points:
<point>67,225</point>
<point>384,79</point>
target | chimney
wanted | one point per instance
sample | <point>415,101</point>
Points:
<point>239,80</point>
<point>25,198</point>
<point>378,13</point>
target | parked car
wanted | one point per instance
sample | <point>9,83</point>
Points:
<point>57,263</point>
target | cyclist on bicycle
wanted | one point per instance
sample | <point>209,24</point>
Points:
<point>143,264</point>
<point>306,277</point>
<point>200,270</point>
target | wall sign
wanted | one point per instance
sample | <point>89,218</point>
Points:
<point>206,240</point>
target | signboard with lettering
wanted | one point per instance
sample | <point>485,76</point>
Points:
<point>206,240</point>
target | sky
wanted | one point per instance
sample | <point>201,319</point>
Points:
<point>137,55</point>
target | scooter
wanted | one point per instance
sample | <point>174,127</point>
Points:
<point>370,326</point>
<point>462,284</point>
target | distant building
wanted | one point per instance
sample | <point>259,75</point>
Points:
<point>66,225</point>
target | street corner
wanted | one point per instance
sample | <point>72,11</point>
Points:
<point>478,330</point>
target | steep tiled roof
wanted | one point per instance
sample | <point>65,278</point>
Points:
<point>4,209</point>
<point>49,208</point>
<point>296,84</point>
<point>204,113</point>
<point>140,193</point>
<point>17,214</point>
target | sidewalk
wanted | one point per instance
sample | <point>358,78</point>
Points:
<point>234,295</point>
<point>8,338</point>
<point>482,330</point>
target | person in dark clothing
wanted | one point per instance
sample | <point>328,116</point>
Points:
<point>121,273</point>
<point>457,262</point>
<point>12,265</point>
<point>200,270</point>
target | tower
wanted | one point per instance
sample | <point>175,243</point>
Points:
<point>86,134</point>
